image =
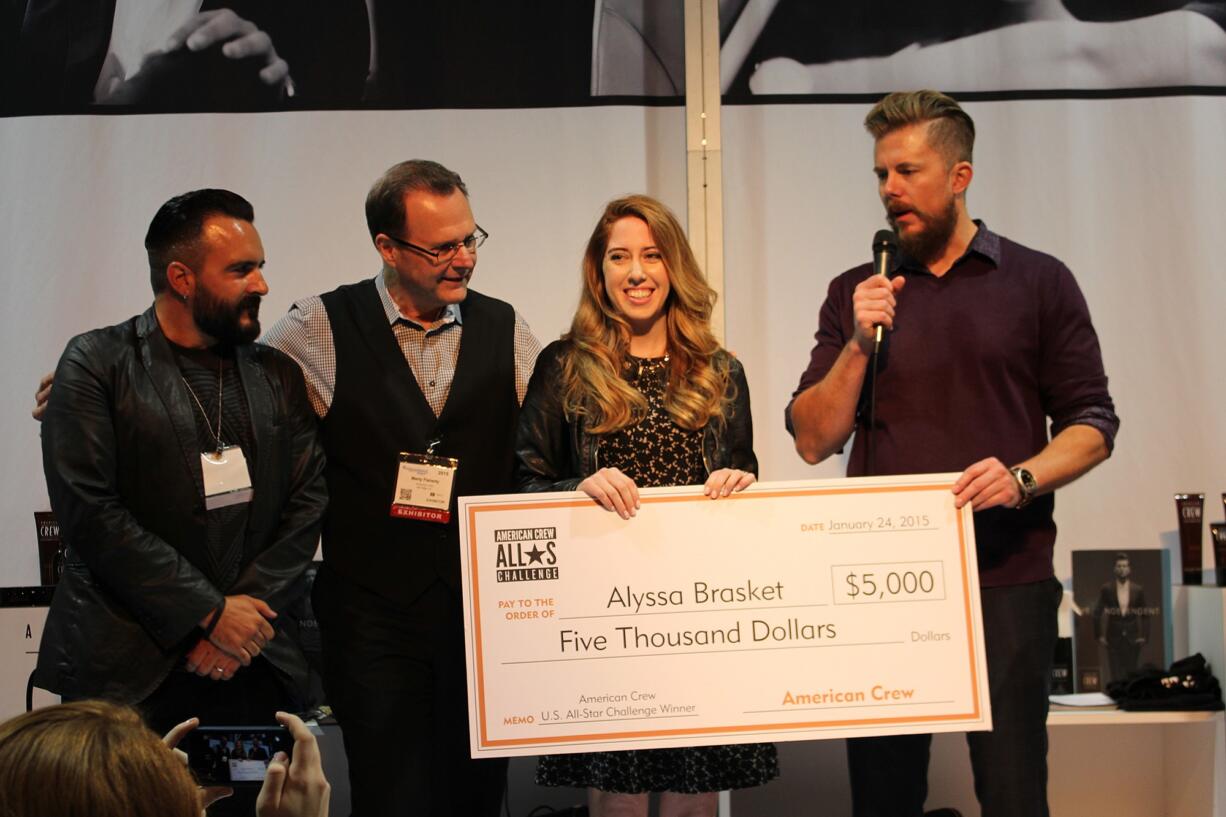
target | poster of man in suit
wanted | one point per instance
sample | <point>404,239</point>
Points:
<point>1120,622</point>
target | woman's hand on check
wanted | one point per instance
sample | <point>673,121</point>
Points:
<point>726,481</point>
<point>613,490</point>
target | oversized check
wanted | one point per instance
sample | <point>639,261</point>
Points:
<point>791,611</point>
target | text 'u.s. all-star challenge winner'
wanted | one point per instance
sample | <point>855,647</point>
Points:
<point>618,706</point>
<point>700,596</point>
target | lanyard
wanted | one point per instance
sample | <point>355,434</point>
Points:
<point>220,383</point>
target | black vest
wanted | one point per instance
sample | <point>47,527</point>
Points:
<point>378,411</point>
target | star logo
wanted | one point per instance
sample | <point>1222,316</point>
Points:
<point>535,555</point>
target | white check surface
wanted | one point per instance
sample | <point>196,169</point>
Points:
<point>792,611</point>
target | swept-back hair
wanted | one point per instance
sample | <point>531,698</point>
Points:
<point>174,233</point>
<point>385,201</point>
<point>951,130</point>
<point>594,387</point>
<point>90,759</point>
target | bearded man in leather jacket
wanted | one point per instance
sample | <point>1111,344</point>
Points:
<point>182,463</point>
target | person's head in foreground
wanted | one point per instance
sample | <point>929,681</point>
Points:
<point>90,759</point>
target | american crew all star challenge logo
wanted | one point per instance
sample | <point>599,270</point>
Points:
<point>526,554</point>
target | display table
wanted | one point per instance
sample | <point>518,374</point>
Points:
<point>1118,717</point>
<point>1145,764</point>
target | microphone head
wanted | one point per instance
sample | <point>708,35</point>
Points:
<point>885,241</point>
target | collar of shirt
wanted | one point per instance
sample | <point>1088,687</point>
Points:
<point>985,243</point>
<point>451,314</point>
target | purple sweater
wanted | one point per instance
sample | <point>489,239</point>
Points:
<point>978,360</point>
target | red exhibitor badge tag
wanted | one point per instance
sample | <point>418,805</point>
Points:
<point>424,484</point>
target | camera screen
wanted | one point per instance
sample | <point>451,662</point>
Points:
<point>229,755</point>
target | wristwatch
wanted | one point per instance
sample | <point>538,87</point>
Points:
<point>1026,483</point>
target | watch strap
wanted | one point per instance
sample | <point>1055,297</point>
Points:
<point>1027,485</point>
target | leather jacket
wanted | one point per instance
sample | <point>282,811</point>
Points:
<point>122,463</point>
<point>554,454</point>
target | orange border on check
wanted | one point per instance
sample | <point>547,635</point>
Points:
<point>487,743</point>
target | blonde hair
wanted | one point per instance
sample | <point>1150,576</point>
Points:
<point>950,129</point>
<point>593,386</point>
<point>90,759</point>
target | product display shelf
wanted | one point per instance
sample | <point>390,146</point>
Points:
<point>1147,764</point>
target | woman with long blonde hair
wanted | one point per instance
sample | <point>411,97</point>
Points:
<point>639,394</point>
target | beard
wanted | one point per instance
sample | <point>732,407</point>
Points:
<point>927,244</point>
<point>223,321</point>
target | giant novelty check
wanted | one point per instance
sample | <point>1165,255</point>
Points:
<point>791,611</point>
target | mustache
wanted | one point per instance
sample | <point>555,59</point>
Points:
<point>250,303</point>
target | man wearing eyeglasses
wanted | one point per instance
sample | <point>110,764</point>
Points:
<point>410,373</point>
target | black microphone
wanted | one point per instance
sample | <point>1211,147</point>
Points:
<point>885,244</point>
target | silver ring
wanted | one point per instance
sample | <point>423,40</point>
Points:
<point>218,669</point>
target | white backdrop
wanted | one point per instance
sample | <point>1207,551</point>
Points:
<point>79,193</point>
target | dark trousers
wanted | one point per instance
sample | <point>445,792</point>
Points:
<point>889,775</point>
<point>394,675</point>
<point>1123,657</point>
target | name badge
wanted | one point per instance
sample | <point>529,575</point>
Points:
<point>424,484</point>
<point>226,478</point>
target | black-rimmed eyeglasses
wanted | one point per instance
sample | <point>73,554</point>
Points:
<point>443,253</point>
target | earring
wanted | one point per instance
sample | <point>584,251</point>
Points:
<point>184,297</point>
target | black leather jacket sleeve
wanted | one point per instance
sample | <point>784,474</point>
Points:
<point>546,455</point>
<point>735,448</point>
<point>275,574</point>
<point>160,588</point>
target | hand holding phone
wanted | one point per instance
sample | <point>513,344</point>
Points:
<point>295,788</point>
<point>208,794</point>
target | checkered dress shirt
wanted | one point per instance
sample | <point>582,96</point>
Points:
<point>305,334</point>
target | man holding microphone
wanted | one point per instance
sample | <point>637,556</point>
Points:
<point>984,340</point>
